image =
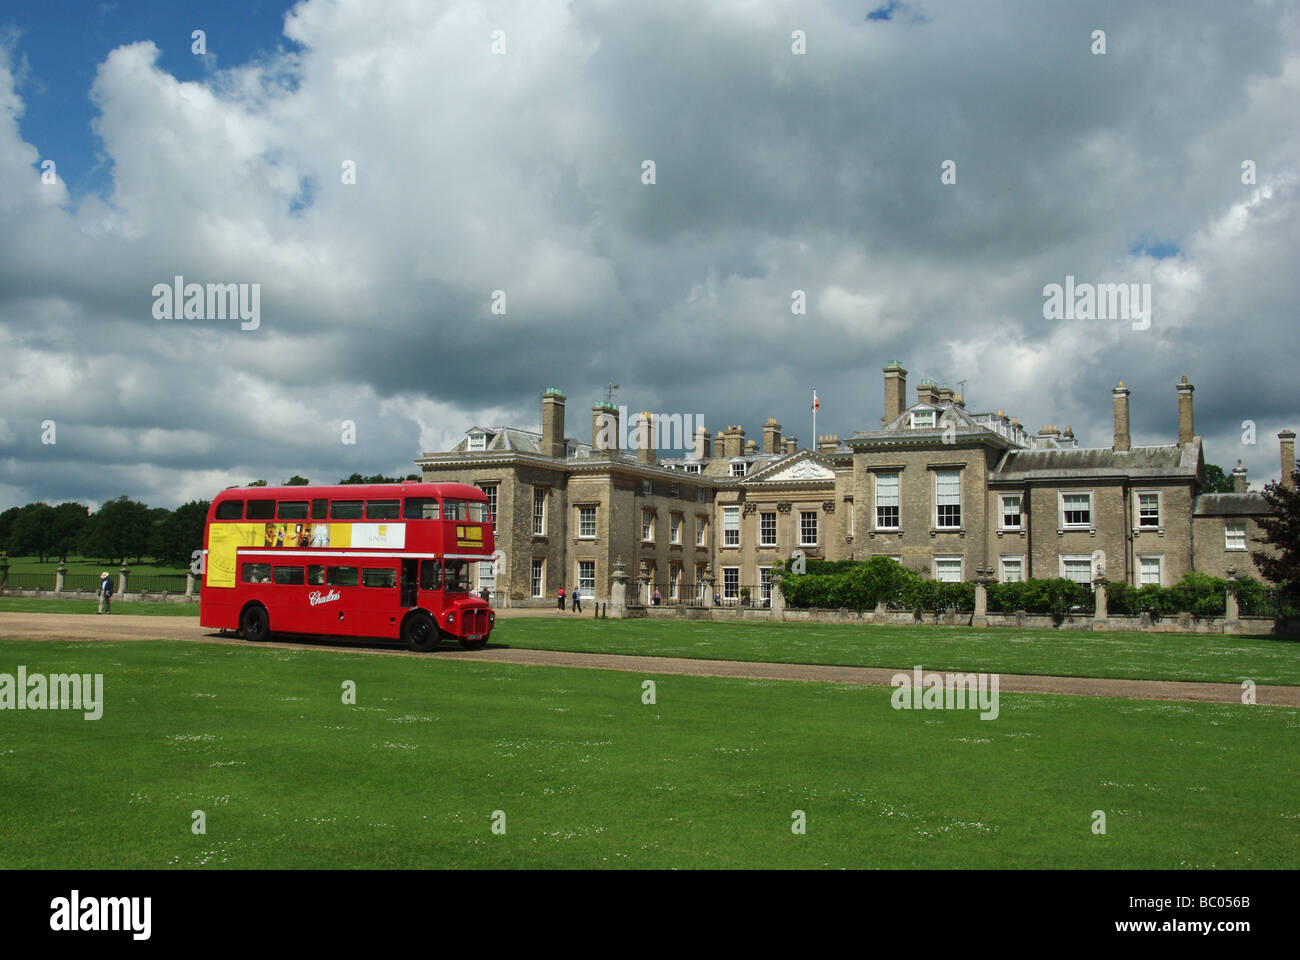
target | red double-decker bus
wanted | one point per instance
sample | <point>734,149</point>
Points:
<point>366,560</point>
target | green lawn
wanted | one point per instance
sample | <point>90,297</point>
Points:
<point>41,605</point>
<point>1076,653</point>
<point>590,777</point>
<point>80,565</point>
<point>1081,653</point>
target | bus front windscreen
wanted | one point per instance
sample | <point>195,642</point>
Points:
<point>456,576</point>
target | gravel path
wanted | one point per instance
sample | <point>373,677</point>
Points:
<point>92,627</point>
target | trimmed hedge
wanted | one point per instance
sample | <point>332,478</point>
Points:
<point>861,585</point>
<point>855,585</point>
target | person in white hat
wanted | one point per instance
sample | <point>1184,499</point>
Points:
<point>105,592</point>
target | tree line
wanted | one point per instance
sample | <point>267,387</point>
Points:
<point>123,528</point>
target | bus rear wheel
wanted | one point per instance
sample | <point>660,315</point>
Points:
<point>420,633</point>
<point>254,624</point>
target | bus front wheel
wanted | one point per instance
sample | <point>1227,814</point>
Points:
<point>254,624</point>
<point>420,632</point>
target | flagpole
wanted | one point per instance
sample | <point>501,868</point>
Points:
<point>814,436</point>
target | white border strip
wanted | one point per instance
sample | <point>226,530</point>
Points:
<point>259,552</point>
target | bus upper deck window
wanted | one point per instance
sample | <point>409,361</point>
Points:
<point>421,508</point>
<point>230,510</point>
<point>383,510</point>
<point>345,510</point>
<point>293,509</point>
<point>454,510</point>
<point>478,512</point>
<point>261,510</point>
<point>320,509</point>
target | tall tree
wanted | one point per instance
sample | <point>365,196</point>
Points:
<point>296,481</point>
<point>67,520</point>
<point>30,534</point>
<point>175,539</point>
<point>7,518</point>
<point>1216,481</point>
<point>119,529</point>
<point>1282,531</point>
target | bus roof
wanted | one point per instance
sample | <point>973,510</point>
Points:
<point>355,491</point>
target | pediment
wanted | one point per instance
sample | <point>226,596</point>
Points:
<point>804,470</point>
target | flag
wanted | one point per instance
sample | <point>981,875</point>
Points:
<point>816,403</point>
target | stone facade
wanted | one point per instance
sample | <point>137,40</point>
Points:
<point>942,489</point>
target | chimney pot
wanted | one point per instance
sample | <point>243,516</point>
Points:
<point>553,423</point>
<point>1122,439</point>
<point>1239,484</point>
<point>1186,429</point>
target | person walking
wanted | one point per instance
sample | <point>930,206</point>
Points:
<point>559,600</point>
<point>105,592</point>
<point>577,600</point>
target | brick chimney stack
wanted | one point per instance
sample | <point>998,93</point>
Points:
<point>1186,430</point>
<point>1288,456</point>
<point>927,391</point>
<point>771,436</point>
<point>553,422</point>
<point>828,444</point>
<point>1239,479</point>
<point>703,446</point>
<point>895,391</point>
<point>791,444</point>
<point>1120,393</point>
<point>645,447</point>
<point>604,427</point>
<point>733,439</point>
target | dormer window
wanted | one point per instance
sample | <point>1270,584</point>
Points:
<point>478,441</point>
<point>922,419</point>
<point>738,468</point>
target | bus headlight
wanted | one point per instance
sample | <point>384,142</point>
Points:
<point>450,614</point>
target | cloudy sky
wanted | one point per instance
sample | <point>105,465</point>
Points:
<point>502,146</point>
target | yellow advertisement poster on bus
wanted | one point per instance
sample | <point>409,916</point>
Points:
<point>225,538</point>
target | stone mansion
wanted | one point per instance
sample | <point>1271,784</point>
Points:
<point>943,490</point>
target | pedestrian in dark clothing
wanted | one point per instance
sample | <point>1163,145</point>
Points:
<point>577,600</point>
<point>105,593</point>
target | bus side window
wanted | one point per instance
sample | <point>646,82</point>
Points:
<point>379,577</point>
<point>430,575</point>
<point>383,510</point>
<point>341,577</point>
<point>230,510</point>
<point>316,575</point>
<point>256,573</point>
<point>320,509</point>
<point>261,509</point>
<point>293,510</point>
<point>289,575</point>
<point>345,510</point>
<point>421,508</point>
